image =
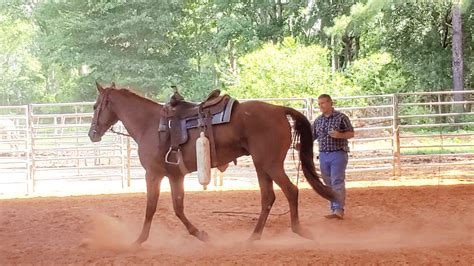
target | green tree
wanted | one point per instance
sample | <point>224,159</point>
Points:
<point>20,76</point>
<point>376,74</point>
<point>287,70</point>
<point>417,34</point>
<point>149,45</point>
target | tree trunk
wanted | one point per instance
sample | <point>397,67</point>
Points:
<point>232,59</point>
<point>334,61</point>
<point>214,70</point>
<point>356,48</point>
<point>347,40</point>
<point>198,55</point>
<point>457,54</point>
<point>277,21</point>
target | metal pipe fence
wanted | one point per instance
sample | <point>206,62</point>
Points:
<point>394,133</point>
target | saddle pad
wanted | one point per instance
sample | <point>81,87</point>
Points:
<point>218,118</point>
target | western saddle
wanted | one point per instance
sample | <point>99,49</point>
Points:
<point>178,116</point>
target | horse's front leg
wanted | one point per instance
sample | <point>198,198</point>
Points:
<point>153,182</point>
<point>177,194</point>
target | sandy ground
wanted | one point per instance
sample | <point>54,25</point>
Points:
<point>384,225</point>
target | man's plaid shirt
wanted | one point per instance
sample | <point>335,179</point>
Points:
<point>336,121</point>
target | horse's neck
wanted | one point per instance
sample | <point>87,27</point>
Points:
<point>137,114</point>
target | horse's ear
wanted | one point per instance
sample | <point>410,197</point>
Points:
<point>100,89</point>
<point>112,85</point>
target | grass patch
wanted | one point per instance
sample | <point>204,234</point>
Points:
<point>427,151</point>
<point>434,141</point>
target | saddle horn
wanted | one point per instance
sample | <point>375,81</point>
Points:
<point>176,97</point>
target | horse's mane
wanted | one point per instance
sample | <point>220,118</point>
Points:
<point>131,92</point>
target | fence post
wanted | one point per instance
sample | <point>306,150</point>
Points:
<point>214,176</point>
<point>129,160</point>
<point>309,108</point>
<point>123,159</point>
<point>221,178</point>
<point>395,137</point>
<point>399,165</point>
<point>30,162</point>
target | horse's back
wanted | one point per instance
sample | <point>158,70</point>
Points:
<point>262,115</point>
<point>264,125</point>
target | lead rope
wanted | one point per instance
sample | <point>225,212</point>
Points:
<point>118,133</point>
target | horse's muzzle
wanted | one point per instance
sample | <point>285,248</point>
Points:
<point>94,136</point>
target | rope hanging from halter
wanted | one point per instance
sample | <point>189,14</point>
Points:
<point>118,133</point>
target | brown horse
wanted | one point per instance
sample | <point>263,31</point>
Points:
<point>258,129</point>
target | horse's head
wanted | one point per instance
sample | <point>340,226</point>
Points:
<point>104,115</point>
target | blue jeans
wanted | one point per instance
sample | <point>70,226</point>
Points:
<point>333,168</point>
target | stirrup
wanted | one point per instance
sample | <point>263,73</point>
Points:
<point>172,151</point>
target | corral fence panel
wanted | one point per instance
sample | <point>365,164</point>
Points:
<point>43,146</point>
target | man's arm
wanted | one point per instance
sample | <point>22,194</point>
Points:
<point>346,132</point>
<point>341,135</point>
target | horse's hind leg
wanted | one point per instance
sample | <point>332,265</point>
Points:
<point>177,194</point>
<point>267,200</point>
<point>153,183</point>
<point>278,175</point>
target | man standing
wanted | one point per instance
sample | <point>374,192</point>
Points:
<point>332,129</point>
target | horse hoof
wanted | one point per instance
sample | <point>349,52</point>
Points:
<point>136,246</point>
<point>86,243</point>
<point>203,236</point>
<point>253,238</point>
<point>305,233</point>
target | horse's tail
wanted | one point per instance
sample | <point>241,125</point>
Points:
<point>304,134</point>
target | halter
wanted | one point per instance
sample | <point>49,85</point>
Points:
<point>102,104</point>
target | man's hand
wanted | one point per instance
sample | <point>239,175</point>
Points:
<point>341,135</point>
<point>335,134</point>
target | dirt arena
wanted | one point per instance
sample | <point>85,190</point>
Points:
<point>416,225</point>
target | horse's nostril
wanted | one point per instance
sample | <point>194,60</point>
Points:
<point>93,135</point>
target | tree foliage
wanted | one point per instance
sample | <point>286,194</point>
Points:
<point>287,70</point>
<point>54,51</point>
<point>21,79</point>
